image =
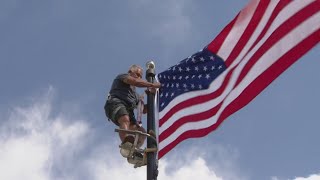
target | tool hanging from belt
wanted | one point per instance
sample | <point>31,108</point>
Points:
<point>140,110</point>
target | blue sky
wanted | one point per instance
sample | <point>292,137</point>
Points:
<point>58,60</point>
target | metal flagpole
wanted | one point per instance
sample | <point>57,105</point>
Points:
<point>152,169</point>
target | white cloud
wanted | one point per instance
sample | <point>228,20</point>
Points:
<point>107,163</point>
<point>196,169</point>
<point>33,143</point>
<point>311,177</point>
<point>24,157</point>
<point>116,168</point>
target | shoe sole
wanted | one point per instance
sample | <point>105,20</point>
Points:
<point>125,149</point>
<point>135,160</point>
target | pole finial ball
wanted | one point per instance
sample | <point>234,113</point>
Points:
<point>150,65</point>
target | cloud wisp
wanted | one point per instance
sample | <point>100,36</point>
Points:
<point>311,177</point>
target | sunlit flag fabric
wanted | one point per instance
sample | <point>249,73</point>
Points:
<point>263,40</point>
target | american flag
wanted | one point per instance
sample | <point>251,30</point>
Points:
<point>260,43</point>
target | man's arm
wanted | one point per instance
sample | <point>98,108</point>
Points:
<point>140,82</point>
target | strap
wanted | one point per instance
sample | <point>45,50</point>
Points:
<point>140,110</point>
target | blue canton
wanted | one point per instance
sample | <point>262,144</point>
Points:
<point>191,74</point>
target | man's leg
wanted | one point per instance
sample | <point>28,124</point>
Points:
<point>127,140</point>
<point>124,123</point>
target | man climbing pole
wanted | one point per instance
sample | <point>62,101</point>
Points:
<point>120,105</point>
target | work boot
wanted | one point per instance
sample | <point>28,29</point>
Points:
<point>137,158</point>
<point>126,145</point>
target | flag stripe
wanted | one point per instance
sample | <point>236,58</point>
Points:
<point>281,31</point>
<point>279,62</point>
<point>277,40</point>
<point>259,32</point>
<point>250,29</point>
<point>254,88</point>
<point>279,7</point>
<point>239,27</point>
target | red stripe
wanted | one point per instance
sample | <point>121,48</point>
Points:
<point>253,89</point>
<point>255,20</point>
<point>259,84</point>
<point>282,4</point>
<point>216,44</point>
<point>279,33</point>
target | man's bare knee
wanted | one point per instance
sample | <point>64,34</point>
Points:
<point>124,121</point>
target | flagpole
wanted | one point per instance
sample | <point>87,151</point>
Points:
<point>152,169</point>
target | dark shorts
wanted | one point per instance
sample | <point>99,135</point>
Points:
<point>115,108</point>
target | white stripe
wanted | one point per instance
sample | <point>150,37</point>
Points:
<point>278,50</point>
<point>292,8</point>
<point>285,14</point>
<point>238,29</point>
<point>293,38</point>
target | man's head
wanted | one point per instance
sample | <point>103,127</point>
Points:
<point>135,71</point>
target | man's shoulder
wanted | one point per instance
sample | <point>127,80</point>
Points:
<point>122,76</point>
